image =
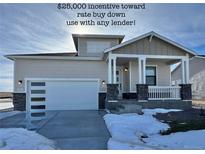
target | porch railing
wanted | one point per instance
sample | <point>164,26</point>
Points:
<point>164,92</point>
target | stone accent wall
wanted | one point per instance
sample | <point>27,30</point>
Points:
<point>142,92</point>
<point>19,101</point>
<point>101,100</point>
<point>112,92</point>
<point>186,93</point>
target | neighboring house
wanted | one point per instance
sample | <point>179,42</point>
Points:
<point>197,76</point>
<point>81,80</point>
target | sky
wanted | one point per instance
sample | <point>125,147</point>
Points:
<point>40,28</point>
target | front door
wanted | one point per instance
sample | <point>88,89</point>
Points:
<point>119,79</point>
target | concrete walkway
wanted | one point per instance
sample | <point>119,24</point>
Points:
<point>78,130</point>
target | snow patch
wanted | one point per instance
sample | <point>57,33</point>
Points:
<point>158,110</point>
<point>130,127</point>
<point>22,139</point>
<point>127,131</point>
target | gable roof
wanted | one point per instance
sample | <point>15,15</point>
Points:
<point>76,36</point>
<point>152,33</point>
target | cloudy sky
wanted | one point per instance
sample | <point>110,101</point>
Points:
<point>32,28</point>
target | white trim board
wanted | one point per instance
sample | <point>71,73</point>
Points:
<point>113,55</point>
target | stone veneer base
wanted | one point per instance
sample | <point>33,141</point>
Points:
<point>142,92</point>
<point>186,92</point>
<point>112,92</point>
<point>167,104</point>
<point>19,101</point>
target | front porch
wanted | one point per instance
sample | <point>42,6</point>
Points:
<point>148,87</point>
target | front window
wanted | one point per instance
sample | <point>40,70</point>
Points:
<point>151,78</point>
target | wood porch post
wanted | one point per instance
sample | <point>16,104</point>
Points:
<point>183,71</point>
<point>109,70</point>
<point>142,70</point>
<point>114,70</point>
<point>187,70</point>
<point>139,70</point>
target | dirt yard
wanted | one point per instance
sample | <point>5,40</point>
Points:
<point>193,119</point>
<point>199,103</point>
<point>6,95</point>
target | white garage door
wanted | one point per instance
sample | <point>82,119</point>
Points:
<point>63,94</point>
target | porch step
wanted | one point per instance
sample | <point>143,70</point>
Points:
<point>124,106</point>
<point>127,101</point>
<point>128,108</point>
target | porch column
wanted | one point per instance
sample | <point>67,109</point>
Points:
<point>141,87</point>
<point>183,70</point>
<point>114,70</point>
<point>109,70</point>
<point>142,70</point>
<point>187,70</point>
<point>185,90</point>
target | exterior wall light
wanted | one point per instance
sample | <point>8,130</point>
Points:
<point>20,82</point>
<point>103,82</point>
<point>126,69</point>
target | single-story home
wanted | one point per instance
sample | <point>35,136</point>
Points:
<point>197,76</point>
<point>103,68</point>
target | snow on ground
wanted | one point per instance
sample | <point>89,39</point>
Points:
<point>127,131</point>
<point>116,145</point>
<point>6,104</point>
<point>181,140</point>
<point>8,114</point>
<point>129,127</point>
<point>158,110</point>
<point>22,139</point>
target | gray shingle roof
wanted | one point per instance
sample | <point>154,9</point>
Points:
<point>72,54</point>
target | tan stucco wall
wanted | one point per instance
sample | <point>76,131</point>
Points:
<point>58,69</point>
<point>82,69</point>
<point>82,45</point>
<point>163,73</point>
<point>155,47</point>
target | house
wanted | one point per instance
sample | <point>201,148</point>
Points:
<point>103,69</point>
<point>197,76</point>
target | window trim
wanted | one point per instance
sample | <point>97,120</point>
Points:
<point>156,68</point>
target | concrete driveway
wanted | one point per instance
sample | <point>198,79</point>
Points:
<point>69,129</point>
<point>76,129</point>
